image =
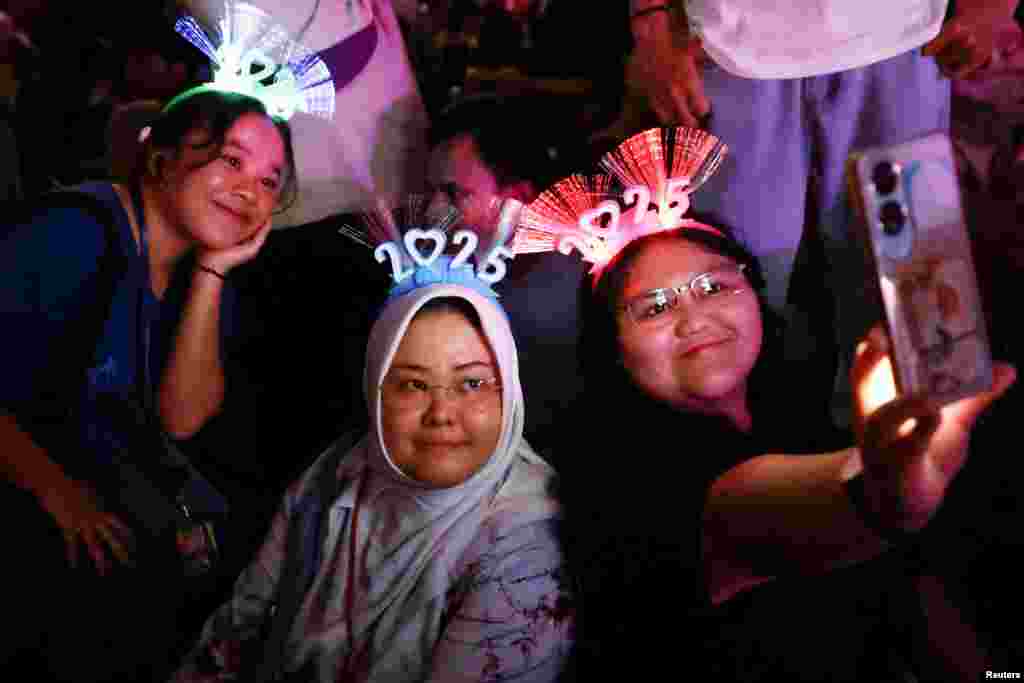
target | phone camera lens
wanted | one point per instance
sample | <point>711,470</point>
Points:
<point>892,217</point>
<point>885,177</point>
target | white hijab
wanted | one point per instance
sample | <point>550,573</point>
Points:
<point>410,536</point>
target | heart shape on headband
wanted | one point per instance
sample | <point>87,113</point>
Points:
<point>415,235</point>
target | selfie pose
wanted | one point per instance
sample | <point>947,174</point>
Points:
<point>713,520</point>
<point>795,88</point>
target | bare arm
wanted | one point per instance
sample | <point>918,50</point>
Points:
<point>71,503</point>
<point>779,513</point>
<point>192,387</point>
<point>23,462</point>
<point>192,390</point>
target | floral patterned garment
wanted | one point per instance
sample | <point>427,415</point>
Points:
<point>506,616</point>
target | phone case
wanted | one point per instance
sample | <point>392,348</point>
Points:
<point>907,197</point>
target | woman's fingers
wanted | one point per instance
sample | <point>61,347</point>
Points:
<point>261,235</point>
<point>871,377</point>
<point>907,423</point>
<point>95,549</point>
<point>264,230</point>
<point>878,338</point>
<point>224,260</point>
<point>929,444</point>
<point>121,529</point>
<point>103,535</point>
<point>71,547</point>
<point>966,412</point>
<point>894,420</point>
<point>77,511</point>
<point>249,248</point>
<point>257,238</point>
<point>117,538</point>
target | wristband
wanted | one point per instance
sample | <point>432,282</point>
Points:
<point>649,10</point>
<point>211,271</point>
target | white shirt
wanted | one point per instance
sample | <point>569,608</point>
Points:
<point>800,38</point>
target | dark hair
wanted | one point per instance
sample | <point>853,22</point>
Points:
<point>452,304</point>
<point>511,149</point>
<point>616,273</point>
<point>622,556</point>
<point>215,112</point>
<point>599,346</point>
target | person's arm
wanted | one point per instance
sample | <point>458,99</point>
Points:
<point>779,513</point>
<point>46,264</point>
<point>967,41</point>
<point>72,504</point>
<point>192,388</point>
<point>794,514</point>
<point>665,64</point>
<point>510,617</point>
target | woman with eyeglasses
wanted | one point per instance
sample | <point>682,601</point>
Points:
<point>424,550</point>
<point>679,515</point>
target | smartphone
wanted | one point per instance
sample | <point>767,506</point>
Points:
<point>910,214</point>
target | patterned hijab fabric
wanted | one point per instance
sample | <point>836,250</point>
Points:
<point>410,537</point>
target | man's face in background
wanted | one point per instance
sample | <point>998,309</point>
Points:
<point>457,175</point>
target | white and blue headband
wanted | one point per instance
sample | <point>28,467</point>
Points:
<point>253,55</point>
<point>417,243</point>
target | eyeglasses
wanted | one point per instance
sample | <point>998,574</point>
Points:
<point>404,393</point>
<point>715,284</point>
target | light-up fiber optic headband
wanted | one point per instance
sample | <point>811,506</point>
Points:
<point>414,238</point>
<point>659,168</point>
<point>252,55</point>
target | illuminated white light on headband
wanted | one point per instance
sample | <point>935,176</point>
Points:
<point>414,240</point>
<point>254,56</point>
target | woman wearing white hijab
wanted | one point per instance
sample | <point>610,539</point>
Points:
<point>434,558</point>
